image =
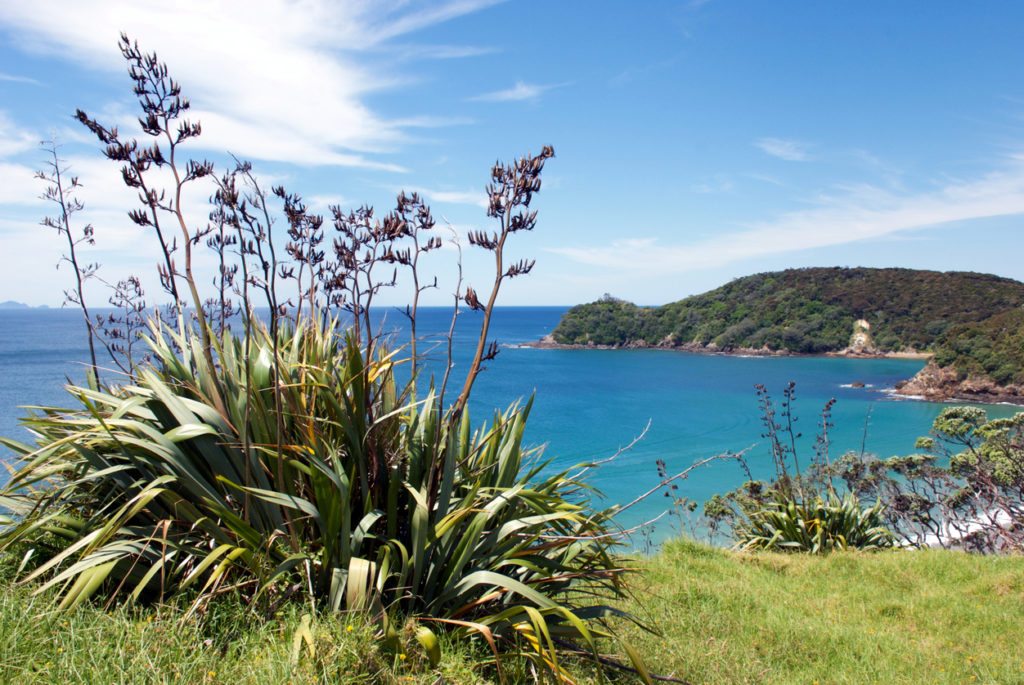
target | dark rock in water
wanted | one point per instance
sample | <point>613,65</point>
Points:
<point>857,384</point>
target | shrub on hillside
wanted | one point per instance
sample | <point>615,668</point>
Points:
<point>965,489</point>
<point>993,348</point>
<point>799,510</point>
<point>816,526</point>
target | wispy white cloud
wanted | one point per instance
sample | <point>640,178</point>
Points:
<point>789,150</point>
<point>388,19</point>
<point>431,122</point>
<point>631,74</point>
<point>475,198</point>
<point>855,214</point>
<point>719,183</point>
<point>19,186</point>
<point>521,91</point>
<point>14,78</point>
<point>281,85</point>
<point>322,204</point>
<point>890,173</point>
<point>766,178</point>
<point>440,52</point>
<point>13,138</point>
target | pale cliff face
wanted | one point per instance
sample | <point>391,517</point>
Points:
<point>860,340</point>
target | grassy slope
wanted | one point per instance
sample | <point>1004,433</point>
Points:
<point>895,617</point>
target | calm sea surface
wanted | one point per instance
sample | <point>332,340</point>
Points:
<point>588,402</point>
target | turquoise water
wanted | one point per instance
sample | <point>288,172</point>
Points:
<point>588,402</point>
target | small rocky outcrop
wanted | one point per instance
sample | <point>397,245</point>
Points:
<point>937,384</point>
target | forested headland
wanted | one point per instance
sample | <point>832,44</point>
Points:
<point>972,324</point>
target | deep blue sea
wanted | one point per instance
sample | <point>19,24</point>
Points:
<point>588,402</point>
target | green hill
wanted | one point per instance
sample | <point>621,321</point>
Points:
<point>805,311</point>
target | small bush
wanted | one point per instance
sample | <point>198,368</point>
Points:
<point>964,490</point>
<point>798,510</point>
<point>818,526</point>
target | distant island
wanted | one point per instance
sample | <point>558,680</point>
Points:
<point>971,325</point>
<point>12,304</point>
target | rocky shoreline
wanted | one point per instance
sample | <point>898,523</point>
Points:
<point>549,343</point>
<point>932,383</point>
<point>937,384</point>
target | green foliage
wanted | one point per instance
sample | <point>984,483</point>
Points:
<point>355,497</point>
<point>993,347</point>
<point>817,527</point>
<point>803,310</point>
<point>797,510</point>
<point>966,490</point>
<point>608,321</point>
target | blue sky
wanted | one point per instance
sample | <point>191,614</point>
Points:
<point>695,141</point>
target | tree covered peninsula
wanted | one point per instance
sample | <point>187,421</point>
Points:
<point>972,323</point>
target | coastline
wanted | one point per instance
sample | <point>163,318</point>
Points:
<point>969,398</point>
<point>931,384</point>
<point>937,384</point>
<point>548,343</point>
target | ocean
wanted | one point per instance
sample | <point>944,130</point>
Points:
<point>588,403</point>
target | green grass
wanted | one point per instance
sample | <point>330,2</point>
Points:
<point>38,645</point>
<point>888,617</point>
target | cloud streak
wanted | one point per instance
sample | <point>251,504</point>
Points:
<point>475,198</point>
<point>13,138</point>
<point>14,78</point>
<point>782,148</point>
<point>719,183</point>
<point>857,214</point>
<point>520,92</point>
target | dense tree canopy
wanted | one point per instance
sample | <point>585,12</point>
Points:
<point>993,348</point>
<point>809,311</point>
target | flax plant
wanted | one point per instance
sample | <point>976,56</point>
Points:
<point>797,510</point>
<point>283,462</point>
